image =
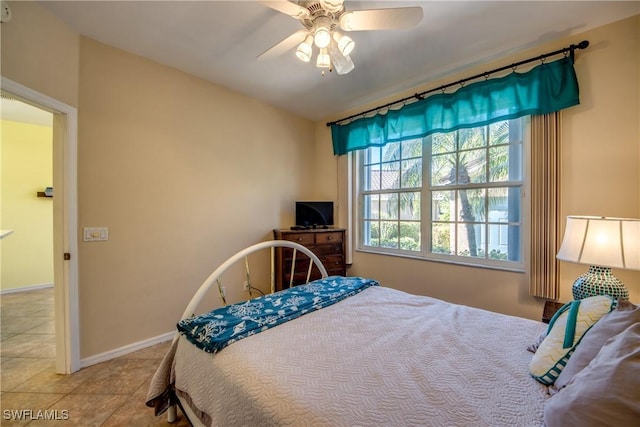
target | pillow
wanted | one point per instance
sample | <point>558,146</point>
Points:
<point>625,315</point>
<point>566,329</point>
<point>606,392</point>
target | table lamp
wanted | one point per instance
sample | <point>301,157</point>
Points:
<point>602,243</point>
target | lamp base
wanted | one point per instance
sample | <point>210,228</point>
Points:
<point>599,281</point>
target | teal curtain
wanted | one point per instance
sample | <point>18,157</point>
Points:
<point>547,88</point>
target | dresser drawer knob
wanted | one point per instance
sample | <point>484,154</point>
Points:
<point>329,238</point>
<point>299,239</point>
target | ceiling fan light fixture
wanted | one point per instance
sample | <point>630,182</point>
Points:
<point>345,43</point>
<point>305,49</point>
<point>323,60</point>
<point>322,33</point>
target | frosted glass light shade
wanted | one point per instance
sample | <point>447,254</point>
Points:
<point>305,49</point>
<point>322,33</point>
<point>323,60</point>
<point>345,43</point>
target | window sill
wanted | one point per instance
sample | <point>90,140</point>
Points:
<point>512,269</point>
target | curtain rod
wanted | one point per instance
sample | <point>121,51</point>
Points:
<point>571,49</point>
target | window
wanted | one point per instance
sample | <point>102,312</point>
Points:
<point>453,197</point>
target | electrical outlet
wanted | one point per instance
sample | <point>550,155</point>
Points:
<point>245,286</point>
<point>224,291</point>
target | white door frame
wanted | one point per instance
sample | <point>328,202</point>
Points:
<point>65,221</point>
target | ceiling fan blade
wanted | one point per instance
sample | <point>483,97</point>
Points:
<point>286,44</point>
<point>381,19</point>
<point>341,63</point>
<point>288,8</point>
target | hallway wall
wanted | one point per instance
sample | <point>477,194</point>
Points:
<point>26,168</point>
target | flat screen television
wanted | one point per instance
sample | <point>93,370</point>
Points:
<point>310,214</point>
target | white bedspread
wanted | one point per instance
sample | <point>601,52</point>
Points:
<point>380,358</point>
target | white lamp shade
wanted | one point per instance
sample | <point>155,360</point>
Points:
<point>345,43</point>
<point>600,241</point>
<point>323,60</point>
<point>322,32</point>
<point>305,49</point>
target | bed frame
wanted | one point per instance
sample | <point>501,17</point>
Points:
<point>218,272</point>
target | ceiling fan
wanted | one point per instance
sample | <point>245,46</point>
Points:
<point>322,19</point>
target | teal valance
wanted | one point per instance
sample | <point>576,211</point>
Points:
<point>546,88</point>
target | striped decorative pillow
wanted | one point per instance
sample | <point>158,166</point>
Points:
<point>566,329</point>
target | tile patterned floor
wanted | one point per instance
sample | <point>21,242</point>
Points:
<point>108,394</point>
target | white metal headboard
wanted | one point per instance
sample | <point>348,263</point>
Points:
<point>272,244</point>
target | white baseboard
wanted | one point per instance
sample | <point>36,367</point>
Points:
<point>112,354</point>
<point>26,288</point>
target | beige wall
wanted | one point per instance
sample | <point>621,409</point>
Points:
<point>600,174</point>
<point>184,173</point>
<point>27,253</point>
<point>40,52</point>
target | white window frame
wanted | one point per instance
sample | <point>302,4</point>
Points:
<point>426,209</point>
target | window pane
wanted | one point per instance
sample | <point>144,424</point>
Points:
<point>513,240</point>
<point>471,205</point>
<point>371,233</point>
<point>504,204</point>
<point>472,167</point>
<point>442,238</point>
<point>515,162</point>
<point>410,206</point>
<point>443,143</point>
<point>372,155</point>
<point>443,205</point>
<point>468,240</point>
<point>389,206</point>
<point>498,205</point>
<point>391,152</point>
<point>497,241</point>
<point>471,138</point>
<point>412,173</point>
<point>443,169</point>
<point>410,236</point>
<point>371,206</point>
<point>389,234</point>
<point>371,178</point>
<point>390,176</point>
<point>499,133</point>
<point>499,163</point>
<point>412,149</point>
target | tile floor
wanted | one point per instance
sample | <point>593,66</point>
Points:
<point>107,394</point>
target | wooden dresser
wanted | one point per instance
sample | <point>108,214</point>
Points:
<point>327,244</point>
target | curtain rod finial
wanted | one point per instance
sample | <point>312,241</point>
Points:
<point>583,44</point>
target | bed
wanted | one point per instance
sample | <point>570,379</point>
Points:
<point>377,356</point>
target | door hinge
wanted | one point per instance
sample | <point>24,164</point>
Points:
<point>67,256</point>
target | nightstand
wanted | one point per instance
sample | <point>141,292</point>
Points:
<point>550,308</point>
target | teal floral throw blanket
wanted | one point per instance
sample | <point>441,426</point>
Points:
<point>223,326</point>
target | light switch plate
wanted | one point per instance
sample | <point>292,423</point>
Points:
<point>95,234</point>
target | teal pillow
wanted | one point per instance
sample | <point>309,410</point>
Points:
<point>566,329</point>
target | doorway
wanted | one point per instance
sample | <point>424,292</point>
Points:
<point>65,242</point>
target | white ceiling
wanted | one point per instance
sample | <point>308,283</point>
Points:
<point>219,41</point>
<point>18,111</point>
